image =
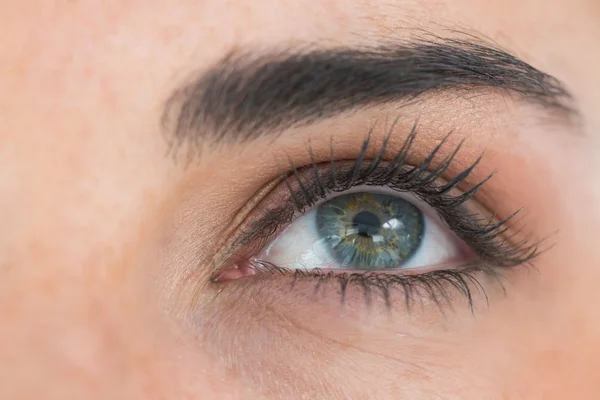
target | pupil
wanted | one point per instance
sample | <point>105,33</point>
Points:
<point>366,223</point>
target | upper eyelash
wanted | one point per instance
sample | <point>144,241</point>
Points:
<point>489,240</point>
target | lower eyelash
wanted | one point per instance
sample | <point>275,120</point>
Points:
<point>438,285</point>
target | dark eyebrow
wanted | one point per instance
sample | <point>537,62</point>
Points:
<point>245,96</point>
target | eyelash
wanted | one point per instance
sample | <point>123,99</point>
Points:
<point>489,241</point>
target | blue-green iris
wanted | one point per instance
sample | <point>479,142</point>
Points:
<point>370,230</point>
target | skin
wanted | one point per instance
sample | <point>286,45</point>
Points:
<point>106,241</point>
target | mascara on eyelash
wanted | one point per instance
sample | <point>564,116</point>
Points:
<point>308,185</point>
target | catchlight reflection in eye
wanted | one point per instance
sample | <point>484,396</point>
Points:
<point>364,230</point>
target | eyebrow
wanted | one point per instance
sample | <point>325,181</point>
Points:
<point>245,96</point>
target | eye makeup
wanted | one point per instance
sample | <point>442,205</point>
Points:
<point>493,245</point>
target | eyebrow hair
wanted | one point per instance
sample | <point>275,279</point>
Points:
<point>245,96</point>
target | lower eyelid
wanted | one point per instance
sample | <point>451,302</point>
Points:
<point>393,292</point>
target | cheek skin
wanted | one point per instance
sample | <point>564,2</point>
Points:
<point>79,301</point>
<point>316,343</point>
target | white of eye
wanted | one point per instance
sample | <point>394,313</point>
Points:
<point>300,247</point>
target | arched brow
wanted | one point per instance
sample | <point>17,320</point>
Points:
<point>245,96</point>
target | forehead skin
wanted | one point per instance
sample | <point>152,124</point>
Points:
<point>84,177</point>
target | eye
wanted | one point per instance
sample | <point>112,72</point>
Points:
<point>376,225</point>
<point>366,229</point>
